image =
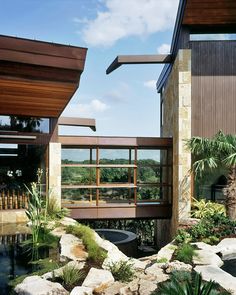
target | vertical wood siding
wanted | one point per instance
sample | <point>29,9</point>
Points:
<point>213,87</point>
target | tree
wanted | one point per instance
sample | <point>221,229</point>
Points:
<point>213,153</point>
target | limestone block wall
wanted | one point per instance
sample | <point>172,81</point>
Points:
<point>177,124</point>
<point>54,172</point>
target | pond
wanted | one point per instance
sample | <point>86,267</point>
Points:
<point>13,263</point>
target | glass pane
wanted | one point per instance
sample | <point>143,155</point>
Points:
<point>116,175</point>
<point>116,156</point>
<point>116,195</point>
<point>24,124</point>
<point>166,175</point>
<point>148,193</point>
<point>152,155</point>
<point>78,175</point>
<point>148,174</point>
<point>79,196</point>
<point>78,156</point>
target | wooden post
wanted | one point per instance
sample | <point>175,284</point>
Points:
<point>97,176</point>
<point>135,175</point>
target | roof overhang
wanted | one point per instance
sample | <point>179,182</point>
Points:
<point>138,59</point>
<point>38,78</point>
<point>77,122</point>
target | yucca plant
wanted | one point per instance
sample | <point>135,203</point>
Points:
<point>188,286</point>
<point>212,153</point>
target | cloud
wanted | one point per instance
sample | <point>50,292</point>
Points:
<point>164,48</point>
<point>119,94</point>
<point>85,110</point>
<point>150,84</point>
<point>121,19</point>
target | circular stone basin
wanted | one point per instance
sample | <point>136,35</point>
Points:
<point>126,241</point>
<point>230,267</point>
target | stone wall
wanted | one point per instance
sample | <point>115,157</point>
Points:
<point>177,124</point>
<point>54,175</point>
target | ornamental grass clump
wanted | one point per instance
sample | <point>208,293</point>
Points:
<point>70,276</point>
<point>185,253</point>
<point>122,270</point>
<point>86,234</point>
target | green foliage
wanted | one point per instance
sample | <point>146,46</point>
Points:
<point>162,260</point>
<point>183,236</point>
<point>185,253</point>
<point>95,253</point>
<point>54,211</point>
<point>202,208</point>
<point>70,276</point>
<point>209,229</point>
<point>182,283</point>
<point>122,270</point>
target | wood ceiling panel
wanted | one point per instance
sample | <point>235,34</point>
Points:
<point>210,12</point>
<point>38,78</point>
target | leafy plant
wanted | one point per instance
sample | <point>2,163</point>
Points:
<point>70,276</point>
<point>183,236</point>
<point>54,211</point>
<point>122,270</point>
<point>213,153</point>
<point>202,208</point>
<point>185,253</point>
<point>95,253</point>
<point>188,285</point>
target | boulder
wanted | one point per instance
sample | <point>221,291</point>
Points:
<point>113,289</point>
<point>82,291</point>
<point>227,248</point>
<point>97,278</point>
<point>206,257</point>
<point>216,274</point>
<point>66,221</point>
<point>156,271</point>
<point>139,265</point>
<point>177,265</point>
<point>35,285</point>
<point>72,248</point>
<point>146,287</point>
<point>166,252</point>
<point>58,272</point>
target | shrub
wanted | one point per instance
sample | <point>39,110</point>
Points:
<point>70,276</point>
<point>185,253</point>
<point>122,270</point>
<point>183,237</point>
<point>203,208</point>
<point>95,253</point>
<point>187,284</point>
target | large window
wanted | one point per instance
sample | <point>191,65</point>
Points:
<point>106,176</point>
<point>24,124</point>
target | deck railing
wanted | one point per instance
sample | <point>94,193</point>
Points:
<point>13,200</point>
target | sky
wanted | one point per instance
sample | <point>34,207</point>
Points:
<point>124,103</point>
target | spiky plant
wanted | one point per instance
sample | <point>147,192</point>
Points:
<point>213,153</point>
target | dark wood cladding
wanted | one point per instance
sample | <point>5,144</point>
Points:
<point>213,87</point>
<point>140,211</point>
<point>38,78</point>
<point>210,12</point>
<point>126,142</point>
<point>40,139</point>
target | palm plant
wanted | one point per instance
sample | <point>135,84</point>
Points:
<point>213,153</point>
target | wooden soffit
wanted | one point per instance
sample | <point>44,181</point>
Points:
<point>210,13</point>
<point>38,78</point>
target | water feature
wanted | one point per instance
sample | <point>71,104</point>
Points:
<point>230,266</point>
<point>126,241</point>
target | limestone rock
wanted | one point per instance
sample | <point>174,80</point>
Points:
<point>66,221</point>
<point>97,278</point>
<point>146,287</point>
<point>35,285</point>
<point>57,272</point>
<point>72,248</point>
<point>82,291</point>
<point>206,257</point>
<point>113,253</point>
<point>139,265</point>
<point>216,274</point>
<point>166,252</point>
<point>177,265</point>
<point>114,289</point>
<point>58,231</point>
<point>227,248</point>
<point>157,271</point>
